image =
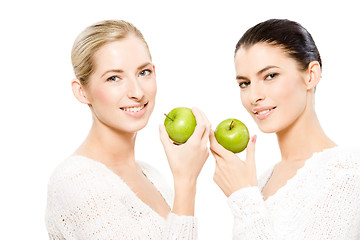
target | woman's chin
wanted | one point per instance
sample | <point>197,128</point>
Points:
<point>135,126</point>
<point>266,129</point>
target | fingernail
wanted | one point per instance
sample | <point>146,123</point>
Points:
<point>253,139</point>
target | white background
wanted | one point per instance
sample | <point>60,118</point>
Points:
<point>192,44</point>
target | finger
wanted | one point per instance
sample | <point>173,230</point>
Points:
<point>220,150</point>
<point>164,137</point>
<point>206,120</point>
<point>208,125</point>
<point>250,150</point>
<point>206,134</point>
<point>216,156</point>
<point>214,145</point>
<point>200,124</point>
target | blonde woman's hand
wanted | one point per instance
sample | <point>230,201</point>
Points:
<point>231,173</point>
<point>186,160</point>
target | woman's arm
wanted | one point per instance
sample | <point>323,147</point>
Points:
<point>332,213</point>
<point>238,180</point>
<point>251,218</point>
<point>186,161</point>
<point>180,227</point>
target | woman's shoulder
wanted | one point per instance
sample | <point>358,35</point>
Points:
<point>341,157</point>
<point>75,165</point>
<point>341,161</point>
<point>79,180</point>
<point>77,173</point>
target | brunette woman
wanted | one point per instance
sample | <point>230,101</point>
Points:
<point>313,192</point>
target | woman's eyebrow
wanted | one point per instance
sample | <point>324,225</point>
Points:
<point>241,78</point>
<point>265,69</point>
<point>144,65</point>
<point>121,71</point>
<point>238,77</point>
<point>112,70</point>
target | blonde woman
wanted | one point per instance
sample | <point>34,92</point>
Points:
<point>313,192</point>
<point>101,191</point>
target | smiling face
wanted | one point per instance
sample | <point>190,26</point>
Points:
<point>122,89</point>
<point>273,89</point>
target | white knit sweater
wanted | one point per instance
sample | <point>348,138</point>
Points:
<point>322,201</point>
<point>86,200</point>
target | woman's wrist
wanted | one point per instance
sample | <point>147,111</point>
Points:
<point>185,181</point>
<point>185,192</point>
<point>185,187</point>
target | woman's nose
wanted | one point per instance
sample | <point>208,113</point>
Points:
<point>257,94</point>
<point>135,90</point>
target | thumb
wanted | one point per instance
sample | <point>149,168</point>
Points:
<point>250,150</point>
<point>164,137</point>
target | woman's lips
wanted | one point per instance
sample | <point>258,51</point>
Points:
<point>136,110</point>
<point>263,112</point>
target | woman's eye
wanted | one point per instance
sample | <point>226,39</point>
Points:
<point>271,76</point>
<point>113,79</point>
<point>144,73</point>
<point>244,84</point>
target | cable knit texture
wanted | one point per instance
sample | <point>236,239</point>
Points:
<point>322,201</point>
<point>87,201</point>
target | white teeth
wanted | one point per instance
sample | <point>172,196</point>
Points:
<point>263,111</point>
<point>133,109</point>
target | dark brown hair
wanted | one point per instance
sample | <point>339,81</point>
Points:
<point>289,35</point>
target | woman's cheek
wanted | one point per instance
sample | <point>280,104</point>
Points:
<point>245,101</point>
<point>106,94</point>
<point>284,89</point>
<point>152,88</point>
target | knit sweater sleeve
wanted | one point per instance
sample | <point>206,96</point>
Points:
<point>251,218</point>
<point>180,227</point>
<point>329,210</point>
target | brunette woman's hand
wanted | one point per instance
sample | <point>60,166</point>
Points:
<point>186,161</point>
<point>231,173</point>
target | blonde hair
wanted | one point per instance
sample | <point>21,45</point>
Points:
<point>94,37</point>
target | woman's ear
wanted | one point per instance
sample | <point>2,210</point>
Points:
<point>79,91</point>
<point>314,75</point>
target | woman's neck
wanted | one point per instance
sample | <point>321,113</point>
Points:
<point>108,146</point>
<point>305,136</point>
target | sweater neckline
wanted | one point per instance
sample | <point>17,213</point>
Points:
<point>309,162</point>
<point>144,170</point>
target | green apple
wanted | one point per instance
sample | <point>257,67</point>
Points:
<point>180,124</point>
<point>232,134</point>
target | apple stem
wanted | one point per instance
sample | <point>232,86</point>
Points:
<point>231,124</point>
<point>168,117</point>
